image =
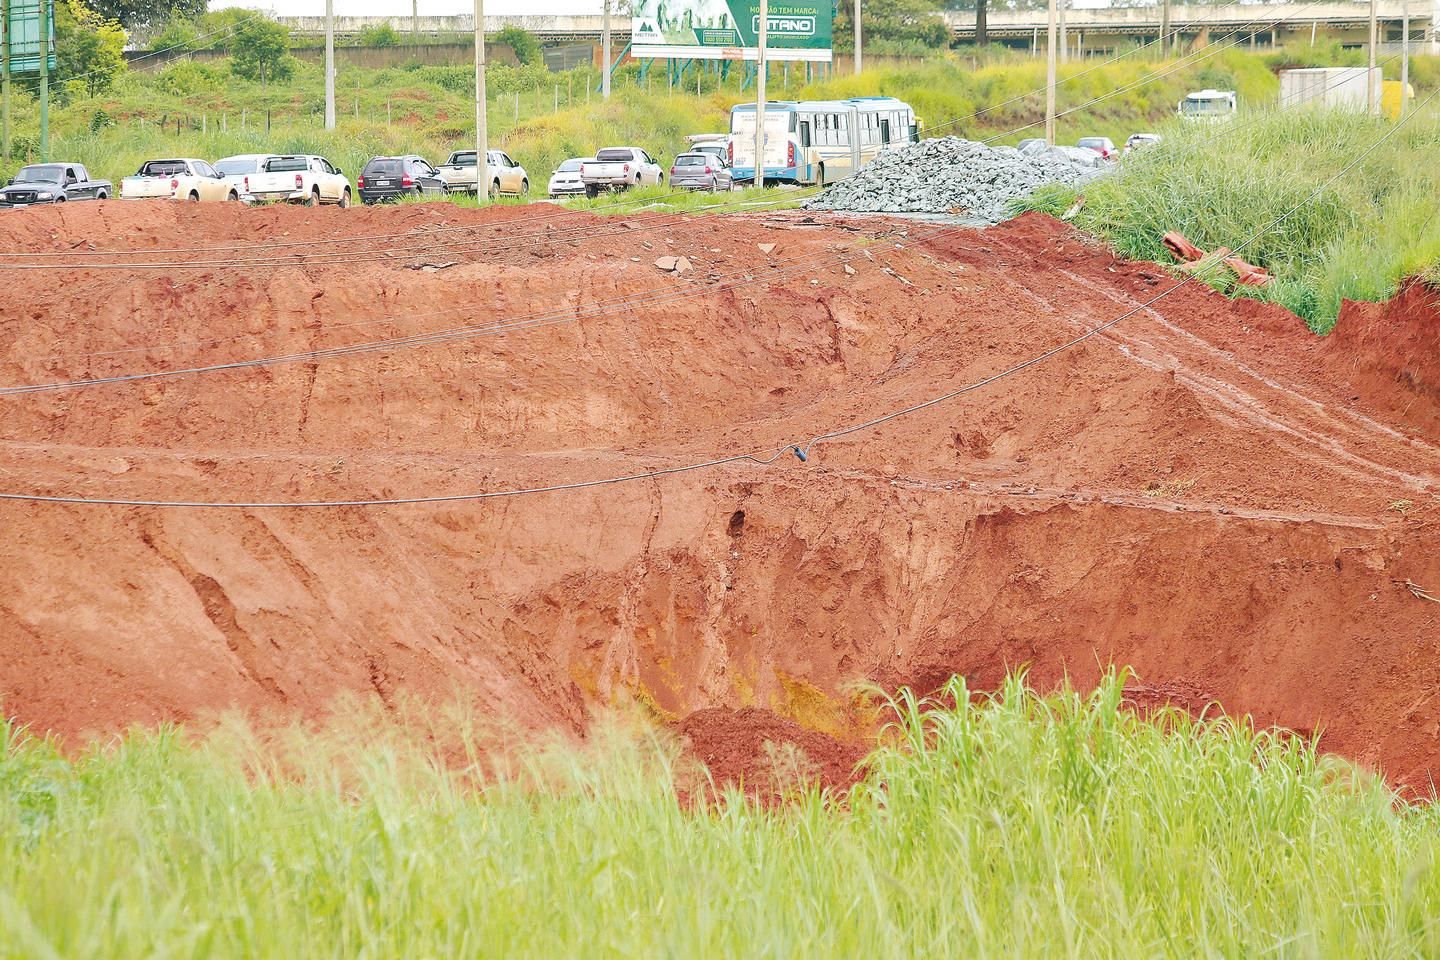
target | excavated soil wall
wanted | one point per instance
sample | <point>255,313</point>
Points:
<point>1192,492</point>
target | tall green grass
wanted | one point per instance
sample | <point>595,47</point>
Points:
<point>1353,234</point>
<point>1018,826</point>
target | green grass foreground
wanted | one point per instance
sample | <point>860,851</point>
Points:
<point>1355,234</point>
<point>1019,825</point>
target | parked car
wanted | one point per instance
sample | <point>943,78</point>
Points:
<point>506,176</point>
<point>389,178</point>
<point>52,183</point>
<point>1138,140</point>
<point>619,168</point>
<point>715,144</point>
<point>177,179</point>
<point>1101,145</point>
<point>565,181</point>
<point>700,171</point>
<point>1032,145</point>
<point>235,169</point>
<point>299,178</point>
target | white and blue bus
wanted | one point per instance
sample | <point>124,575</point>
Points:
<point>819,141</point>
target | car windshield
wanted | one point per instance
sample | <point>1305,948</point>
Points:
<point>237,166</point>
<point>384,167</point>
<point>691,160</point>
<point>40,175</point>
<point>570,166</point>
<point>1198,107</point>
<point>1094,143</point>
<point>604,155</point>
<point>162,168</point>
<point>287,164</point>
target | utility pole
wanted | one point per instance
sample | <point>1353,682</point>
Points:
<point>1064,35</point>
<point>45,81</point>
<point>5,78</point>
<point>1050,76</point>
<point>482,145</point>
<point>1405,59</point>
<point>858,39</point>
<point>415,18</point>
<point>1370,105</point>
<point>329,64</point>
<point>1164,29</point>
<point>760,71</point>
<point>605,54</point>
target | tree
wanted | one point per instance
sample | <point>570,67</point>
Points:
<point>379,35</point>
<point>144,17</point>
<point>898,26</point>
<point>259,50</point>
<point>523,42</point>
<point>88,47</point>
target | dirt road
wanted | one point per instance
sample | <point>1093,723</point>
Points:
<point>1205,492</point>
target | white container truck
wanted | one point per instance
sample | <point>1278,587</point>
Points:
<point>1334,88</point>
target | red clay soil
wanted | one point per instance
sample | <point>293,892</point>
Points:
<point>1195,492</point>
<point>766,755</point>
<point>1388,355</point>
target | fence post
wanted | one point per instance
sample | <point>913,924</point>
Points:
<point>557,98</point>
<point>517,106</point>
<point>387,113</point>
<point>242,118</point>
<point>203,124</point>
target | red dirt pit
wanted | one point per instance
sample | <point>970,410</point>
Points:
<point>1205,491</point>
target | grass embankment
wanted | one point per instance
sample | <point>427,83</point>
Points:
<point>429,110</point>
<point>1354,238</point>
<point>1023,826</point>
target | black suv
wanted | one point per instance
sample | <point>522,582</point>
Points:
<point>386,178</point>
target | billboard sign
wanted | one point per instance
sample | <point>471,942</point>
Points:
<point>729,29</point>
<point>23,32</point>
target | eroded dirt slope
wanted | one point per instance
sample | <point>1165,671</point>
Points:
<point>1193,492</point>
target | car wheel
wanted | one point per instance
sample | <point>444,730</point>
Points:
<point>524,187</point>
<point>194,197</point>
<point>102,195</point>
<point>495,189</point>
<point>60,199</point>
<point>345,199</point>
<point>660,180</point>
<point>235,197</point>
<point>314,199</point>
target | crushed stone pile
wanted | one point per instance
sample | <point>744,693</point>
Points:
<point>954,175</point>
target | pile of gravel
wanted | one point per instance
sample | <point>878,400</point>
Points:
<point>953,175</point>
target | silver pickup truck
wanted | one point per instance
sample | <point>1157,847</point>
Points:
<point>619,168</point>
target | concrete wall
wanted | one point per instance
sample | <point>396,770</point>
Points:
<point>429,54</point>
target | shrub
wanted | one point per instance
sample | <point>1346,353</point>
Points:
<point>379,35</point>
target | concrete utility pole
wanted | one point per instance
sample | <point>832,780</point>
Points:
<point>760,71</point>
<point>605,54</point>
<point>1370,105</point>
<point>1064,35</point>
<point>1050,76</point>
<point>858,39</point>
<point>1405,59</point>
<point>1165,29</point>
<point>482,138</point>
<point>415,17</point>
<point>329,64</point>
<point>45,81</point>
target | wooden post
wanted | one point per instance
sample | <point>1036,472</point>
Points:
<point>1050,56</point>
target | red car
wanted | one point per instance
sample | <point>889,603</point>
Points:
<point>1101,145</point>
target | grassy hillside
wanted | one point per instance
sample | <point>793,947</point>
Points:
<point>1366,218</point>
<point>429,110</point>
<point>1025,826</point>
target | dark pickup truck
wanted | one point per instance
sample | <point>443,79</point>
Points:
<point>53,183</point>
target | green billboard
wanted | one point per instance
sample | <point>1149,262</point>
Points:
<point>23,34</point>
<point>730,29</point>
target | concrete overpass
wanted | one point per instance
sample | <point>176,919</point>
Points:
<point>1090,31</point>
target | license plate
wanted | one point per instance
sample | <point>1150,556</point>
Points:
<point>381,183</point>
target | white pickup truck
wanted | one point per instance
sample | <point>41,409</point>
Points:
<point>506,176</point>
<point>179,179</point>
<point>298,178</point>
<point>619,168</point>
